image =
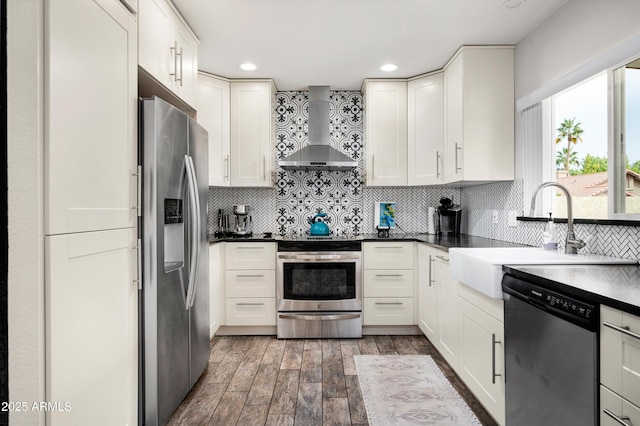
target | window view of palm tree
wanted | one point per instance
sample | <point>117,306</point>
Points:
<point>581,140</point>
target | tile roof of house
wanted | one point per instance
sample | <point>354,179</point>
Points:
<point>591,184</point>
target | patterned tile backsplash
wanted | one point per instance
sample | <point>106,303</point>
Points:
<point>299,195</point>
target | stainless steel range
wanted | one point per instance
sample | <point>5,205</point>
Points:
<point>319,288</point>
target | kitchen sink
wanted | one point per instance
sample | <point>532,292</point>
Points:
<point>481,268</point>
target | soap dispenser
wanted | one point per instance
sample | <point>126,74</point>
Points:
<point>550,235</point>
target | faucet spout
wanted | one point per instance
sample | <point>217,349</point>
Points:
<point>572,244</point>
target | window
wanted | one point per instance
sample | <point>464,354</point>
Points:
<point>626,140</point>
<point>594,129</point>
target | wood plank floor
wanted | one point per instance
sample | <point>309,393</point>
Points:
<point>260,380</point>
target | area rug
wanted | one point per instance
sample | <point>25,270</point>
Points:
<point>409,390</point>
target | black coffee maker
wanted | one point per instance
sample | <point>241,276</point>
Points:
<point>449,217</point>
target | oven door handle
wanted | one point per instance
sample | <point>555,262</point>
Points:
<point>319,257</point>
<point>320,317</point>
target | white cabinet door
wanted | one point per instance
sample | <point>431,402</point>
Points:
<point>186,81</point>
<point>448,312</point>
<point>388,311</point>
<point>216,280</point>
<point>620,353</point>
<point>481,358</point>
<point>427,299</point>
<point>388,255</point>
<point>91,304</point>
<point>213,115</point>
<point>251,133</point>
<point>155,28</point>
<point>250,256</point>
<point>388,283</point>
<point>454,107</point>
<point>425,130</point>
<point>616,411</point>
<point>386,133</point>
<point>90,116</point>
<point>479,115</point>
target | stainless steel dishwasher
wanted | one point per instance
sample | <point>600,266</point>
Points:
<point>551,356</point>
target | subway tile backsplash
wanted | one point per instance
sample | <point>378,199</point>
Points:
<point>349,204</point>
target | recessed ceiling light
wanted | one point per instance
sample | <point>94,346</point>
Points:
<point>389,67</point>
<point>247,66</point>
<point>513,4</point>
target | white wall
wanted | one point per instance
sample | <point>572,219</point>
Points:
<point>577,33</point>
<point>25,196</point>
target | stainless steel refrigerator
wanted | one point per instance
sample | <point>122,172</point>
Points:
<point>174,309</point>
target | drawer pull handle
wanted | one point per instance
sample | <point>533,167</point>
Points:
<point>620,419</point>
<point>389,275</point>
<point>493,358</point>
<point>313,317</point>
<point>249,248</point>
<point>389,247</point>
<point>431,280</point>
<point>623,330</point>
<point>388,303</point>
<point>446,259</point>
<point>250,276</point>
<point>249,304</point>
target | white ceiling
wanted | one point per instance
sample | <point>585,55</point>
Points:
<point>340,42</point>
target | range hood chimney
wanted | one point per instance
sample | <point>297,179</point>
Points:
<point>318,155</point>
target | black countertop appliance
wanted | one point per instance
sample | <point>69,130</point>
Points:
<point>449,217</point>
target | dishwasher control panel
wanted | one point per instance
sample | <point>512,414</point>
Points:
<point>560,301</point>
<point>577,311</point>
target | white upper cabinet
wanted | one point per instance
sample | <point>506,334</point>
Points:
<point>386,132</point>
<point>425,130</point>
<point>154,54</point>
<point>213,114</point>
<point>168,50</point>
<point>90,116</point>
<point>479,115</point>
<point>252,132</point>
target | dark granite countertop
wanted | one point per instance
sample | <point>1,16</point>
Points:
<point>440,242</point>
<point>617,286</point>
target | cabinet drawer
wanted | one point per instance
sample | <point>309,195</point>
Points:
<point>251,255</point>
<point>388,283</point>
<point>388,311</point>
<point>251,311</point>
<point>620,353</point>
<point>388,255</point>
<point>253,283</point>
<point>612,406</point>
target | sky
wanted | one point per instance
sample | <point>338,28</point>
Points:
<point>588,104</point>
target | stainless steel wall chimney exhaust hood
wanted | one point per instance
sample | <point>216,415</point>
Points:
<point>318,155</point>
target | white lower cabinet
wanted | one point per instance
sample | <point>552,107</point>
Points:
<point>619,366</point>
<point>448,312</point>
<point>251,311</point>
<point>465,326</point>
<point>427,301</point>
<point>250,284</point>
<point>482,356</point>
<point>91,305</point>
<point>216,281</point>
<point>388,311</point>
<point>616,411</point>
<point>388,288</point>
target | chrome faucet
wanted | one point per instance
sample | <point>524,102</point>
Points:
<point>572,244</point>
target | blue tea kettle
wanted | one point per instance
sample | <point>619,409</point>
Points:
<point>318,227</point>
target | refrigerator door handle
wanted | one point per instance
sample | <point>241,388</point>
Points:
<point>193,240</point>
<point>195,230</point>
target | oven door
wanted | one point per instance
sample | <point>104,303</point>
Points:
<point>319,281</point>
